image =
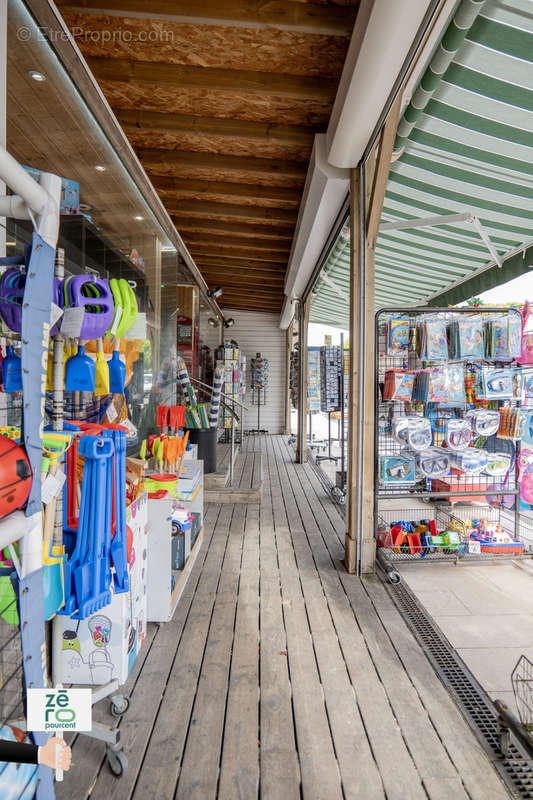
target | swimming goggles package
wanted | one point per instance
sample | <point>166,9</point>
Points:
<point>432,340</point>
<point>397,469</point>
<point>466,338</point>
<point>496,384</point>
<point>458,434</point>
<point>415,432</point>
<point>433,462</point>
<point>399,385</point>
<point>484,422</point>
<point>471,461</point>
<point>398,336</point>
<point>498,465</point>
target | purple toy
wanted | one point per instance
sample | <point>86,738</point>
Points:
<point>94,295</point>
<point>57,298</point>
<point>11,293</point>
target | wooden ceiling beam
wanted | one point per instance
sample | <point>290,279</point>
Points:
<point>221,274</point>
<point>229,282</point>
<point>214,161</point>
<point>261,132</point>
<point>180,76</point>
<point>235,213</point>
<point>269,260</point>
<point>233,228</point>
<point>239,264</point>
<point>261,296</point>
<point>254,305</point>
<point>229,242</point>
<point>326,18</point>
<point>221,192</point>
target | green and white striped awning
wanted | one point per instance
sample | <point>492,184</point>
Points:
<point>466,144</point>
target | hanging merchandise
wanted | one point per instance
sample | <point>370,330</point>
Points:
<point>11,371</point>
<point>466,338</point>
<point>218,379</point>
<point>101,383</point>
<point>330,372</point>
<point>313,380</point>
<point>398,336</point>
<point>526,347</point>
<point>432,340</point>
<point>260,366</point>
<point>456,436</point>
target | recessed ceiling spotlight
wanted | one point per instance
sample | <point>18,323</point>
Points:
<point>100,168</point>
<point>138,218</point>
<point>213,322</point>
<point>36,75</point>
<point>85,207</point>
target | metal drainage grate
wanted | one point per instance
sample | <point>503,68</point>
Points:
<point>516,771</point>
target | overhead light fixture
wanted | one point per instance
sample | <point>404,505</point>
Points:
<point>213,322</point>
<point>100,168</point>
<point>11,244</point>
<point>138,218</point>
<point>214,293</point>
<point>36,75</point>
<point>229,323</point>
<point>85,207</point>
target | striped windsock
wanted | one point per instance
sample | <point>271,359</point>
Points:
<point>218,380</point>
<point>183,377</point>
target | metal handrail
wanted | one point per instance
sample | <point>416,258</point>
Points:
<point>226,396</point>
<point>224,399</point>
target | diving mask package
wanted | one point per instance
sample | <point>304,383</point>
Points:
<point>458,434</point>
<point>503,337</point>
<point>471,461</point>
<point>484,422</point>
<point>433,462</point>
<point>496,384</point>
<point>399,469</point>
<point>441,385</point>
<point>498,465</point>
<point>415,432</point>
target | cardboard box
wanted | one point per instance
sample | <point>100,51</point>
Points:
<point>104,646</point>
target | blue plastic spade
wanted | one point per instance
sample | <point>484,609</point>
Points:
<point>80,372</point>
<point>117,374</point>
<point>119,543</point>
<point>11,371</point>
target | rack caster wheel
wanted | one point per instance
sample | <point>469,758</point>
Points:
<point>117,762</point>
<point>119,706</point>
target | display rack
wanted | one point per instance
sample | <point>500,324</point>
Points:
<point>444,391</point>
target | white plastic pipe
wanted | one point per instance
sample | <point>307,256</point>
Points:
<point>14,207</point>
<point>20,182</point>
<point>382,38</point>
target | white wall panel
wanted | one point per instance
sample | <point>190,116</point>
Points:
<point>257,332</point>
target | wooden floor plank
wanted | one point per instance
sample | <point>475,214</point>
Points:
<point>318,761</point>
<point>171,725</point>
<point>280,770</point>
<point>239,769</point>
<point>198,779</point>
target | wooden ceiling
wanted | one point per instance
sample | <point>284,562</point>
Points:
<point>221,101</point>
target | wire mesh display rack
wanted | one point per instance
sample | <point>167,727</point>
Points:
<point>399,493</point>
<point>452,541</point>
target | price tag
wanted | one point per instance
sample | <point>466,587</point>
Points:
<point>60,478</point>
<point>55,314</point>
<point>49,489</point>
<point>474,547</point>
<point>111,413</point>
<point>132,430</point>
<point>72,322</point>
<point>138,329</point>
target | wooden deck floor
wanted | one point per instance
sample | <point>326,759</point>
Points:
<point>281,676</point>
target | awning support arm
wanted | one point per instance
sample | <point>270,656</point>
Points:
<point>446,219</point>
